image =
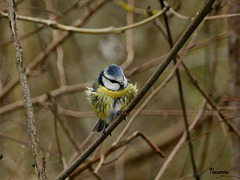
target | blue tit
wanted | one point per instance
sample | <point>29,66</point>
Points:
<point>110,95</point>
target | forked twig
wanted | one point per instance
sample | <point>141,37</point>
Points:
<point>64,126</point>
<point>114,148</point>
<point>41,57</point>
<point>102,158</point>
<point>53,108</point>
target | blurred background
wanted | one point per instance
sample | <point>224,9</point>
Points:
<point>60,65</point>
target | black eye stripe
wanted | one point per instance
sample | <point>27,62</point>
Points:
<point>112,81</point>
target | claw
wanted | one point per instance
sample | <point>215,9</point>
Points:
<point>119,112</point>
<point>103,130</point>
<point>103,133</point>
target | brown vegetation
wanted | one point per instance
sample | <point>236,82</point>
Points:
<point>179,124</point>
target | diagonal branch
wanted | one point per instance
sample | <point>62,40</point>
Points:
<point>197,20</point>
<point>114,148</point>
<point>211,101</point>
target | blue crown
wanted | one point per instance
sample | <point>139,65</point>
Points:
<point>114,70</point>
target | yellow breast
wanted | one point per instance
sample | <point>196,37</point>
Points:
<point>130,89</point>
<point>102,99</point>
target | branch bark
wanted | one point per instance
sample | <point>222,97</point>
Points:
<point>197,20</point>
<point>37,154</point>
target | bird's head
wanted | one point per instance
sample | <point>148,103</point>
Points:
<point>113,78</point>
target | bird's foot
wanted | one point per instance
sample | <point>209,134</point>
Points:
<point>103,130</point>
<point>119,112</point>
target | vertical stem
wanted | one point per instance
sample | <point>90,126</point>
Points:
<point>37,154</point>
<point>234,62</point>
<point>129,39</point>
<point>181,96</point>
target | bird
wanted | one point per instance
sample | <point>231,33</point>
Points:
<point>110,95</point>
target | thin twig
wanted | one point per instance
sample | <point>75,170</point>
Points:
<point>130,8</point>
<point>117,146</point>
<point>102,158</point>
<point>157,23</point>
<point>177,14</point>
<point>97,175</point>
<point>181,96</point>
<point>84,143</point>
<point>169,77</point>
<point>180,142</point>
<point>204,150</point>
<point>59,49</point>
<point>50,146</point>
<point>154,147</point>
<point>116,158</point>
<point>59,26</point>
<point>53,105</point>
<point>53,108</point>
<point>197,20</point>
<point>151,96</point>
<point>40,99</point>
<point>60,67</point>
<point>26,143</point>
<point>213,161</point>
<point>63,14</point>
<point>67,89</point>
<point>41,57</point>
<point>37,153</point>
<point>66,129</point>
<point>144,112</point>
<point>210,101</point>
<point>129,39</point>
<point>213,127</point>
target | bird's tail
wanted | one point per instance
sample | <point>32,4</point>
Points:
<point>99,126</point>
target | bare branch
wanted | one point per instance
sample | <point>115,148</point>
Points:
<point>59,26</point>
<point>197,20</point>
<point>40,99</point>
<point>40,58</point>
<point>129,39</point>
<point>180,143</point>
<point>210,101</point>
<point>67,130</point>
<point>115,147</point>
<point>20,141</point>
<point>181,95</point>
<point>37,154</point>
<point>177,14</point>
<point>102,157</point>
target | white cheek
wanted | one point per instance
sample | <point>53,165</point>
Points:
<point>110,85</point>
<point>125,82</point>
